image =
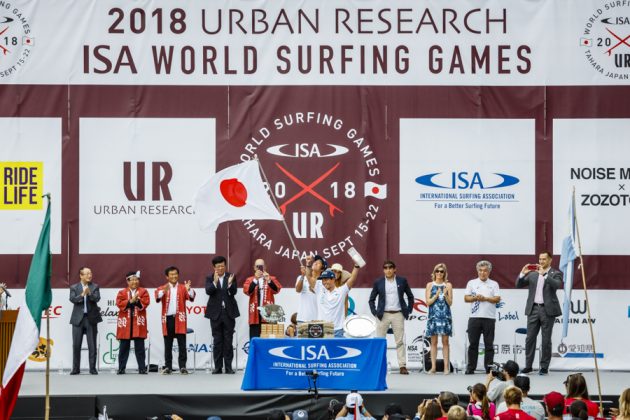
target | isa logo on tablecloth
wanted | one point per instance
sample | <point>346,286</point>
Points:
<point>315,352</point>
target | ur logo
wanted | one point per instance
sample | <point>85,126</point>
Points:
<point>161,174</point>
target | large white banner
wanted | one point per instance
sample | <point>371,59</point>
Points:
<point>574,352</point>
<point>138,177</point>
<point>592,156</point>
<point>30,166</point>
<point>467,186</point>
<point>374,42</point>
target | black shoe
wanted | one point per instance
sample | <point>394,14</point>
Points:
<point>120,372</point>
<point>543,371</point>
<point>93,372</point>
<point>143,372</point>
<point>469,372</point>
<point>527,370</point>
<point>166,371</point>
<point>217,371</point>
<point>183,371</point>
<point>75,372</point>
<point>229,371</point>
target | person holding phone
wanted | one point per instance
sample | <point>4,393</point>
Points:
<point>542,308</point>
<point>261,288</point>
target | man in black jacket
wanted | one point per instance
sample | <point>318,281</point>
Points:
<point>542,308</point>
<point>222,311</point>
<point>84,319</point>
<point>392,309</point>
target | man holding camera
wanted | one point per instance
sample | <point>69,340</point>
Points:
<point>500,378</point>
<point>261,288</point>
<point>542,308</point>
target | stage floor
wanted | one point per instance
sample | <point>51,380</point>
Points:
<point>201,394</point>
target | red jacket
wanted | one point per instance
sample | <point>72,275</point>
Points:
<point>180,311</point>
<point>123,328</point>
<point>251,289</point>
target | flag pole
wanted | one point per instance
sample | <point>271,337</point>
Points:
<point>275,203</point>
<point>588,306</point>
<point>47,405</point>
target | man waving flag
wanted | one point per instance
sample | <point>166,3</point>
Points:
<point>234,193</point>
<point>26,335</point>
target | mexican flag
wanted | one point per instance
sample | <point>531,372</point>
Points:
<point>26,336</point>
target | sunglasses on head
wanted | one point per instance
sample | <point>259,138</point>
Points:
<point>571,376</point>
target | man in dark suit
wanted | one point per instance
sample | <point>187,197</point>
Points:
<point>542,308</point>
<point>222,311</point>
<point>392,309</point>
<point>84,319</point>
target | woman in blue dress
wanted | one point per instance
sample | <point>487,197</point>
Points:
<point>439,298</point>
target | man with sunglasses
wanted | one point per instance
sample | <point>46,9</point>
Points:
<point>392,310</point>
<point>330,298</point>
<point>542,308</point>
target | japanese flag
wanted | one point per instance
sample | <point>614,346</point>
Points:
<point>373,189</point>
<point>235,193</point>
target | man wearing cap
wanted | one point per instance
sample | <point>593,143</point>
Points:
<point>299,415</point>
<point>392,310</point>
<point>496,386</point>
<point>531,407</point>
<point>132,302</point>
<point>542,308</point>
<point>354,408</point>
<point>554,403</point>
<point>330,298</point>
<point>261,288</point>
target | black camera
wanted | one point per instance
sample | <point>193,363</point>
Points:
<point>260,267</point>
<point>496,369</point>
<point>312,373</point>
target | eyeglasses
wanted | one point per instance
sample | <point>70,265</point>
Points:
<point>440,271</point>
<point>387,267</point>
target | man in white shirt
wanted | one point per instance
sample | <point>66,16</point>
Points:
<point>331,299</point>
<point>483,293</point>
<point>307,311</point>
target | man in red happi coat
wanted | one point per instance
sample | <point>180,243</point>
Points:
<point>261,288</point>
<point>173,296</point>
<point>132,302</point>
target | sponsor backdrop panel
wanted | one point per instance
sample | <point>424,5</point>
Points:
<point>30,166</point>
<point>467,182</point>
<point>574,352</point>
<point>591,155</point>
<point>137,183</point>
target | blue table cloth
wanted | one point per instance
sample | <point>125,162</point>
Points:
<point>340,363</point>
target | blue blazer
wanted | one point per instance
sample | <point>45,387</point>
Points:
<point>379,290</point>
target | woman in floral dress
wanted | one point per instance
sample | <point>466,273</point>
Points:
<point>439,298</point>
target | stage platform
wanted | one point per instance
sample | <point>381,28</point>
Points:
<point>201,394</point>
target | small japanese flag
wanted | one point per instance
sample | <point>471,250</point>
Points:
<point>586,42</point>
<point>373,189</point>
<point>28,41</point>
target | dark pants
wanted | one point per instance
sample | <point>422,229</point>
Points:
<point>90,331</point>
<point>477,327</point>
<point>536,321</point>
<point>168,345</point>
<point>123,354</point>
<point>254,330</point>
<point>222,334</point>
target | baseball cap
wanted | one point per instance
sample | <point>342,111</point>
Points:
<point>555,403</point>
<point>299,415</point>
<point>324,262</point>
<point>511,367</point>
<point>337,267</point>
<point>326,274</point>
<point>354,399</point>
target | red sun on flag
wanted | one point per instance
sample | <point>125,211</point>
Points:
<point>234,192</point>
<point>375,190</point>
